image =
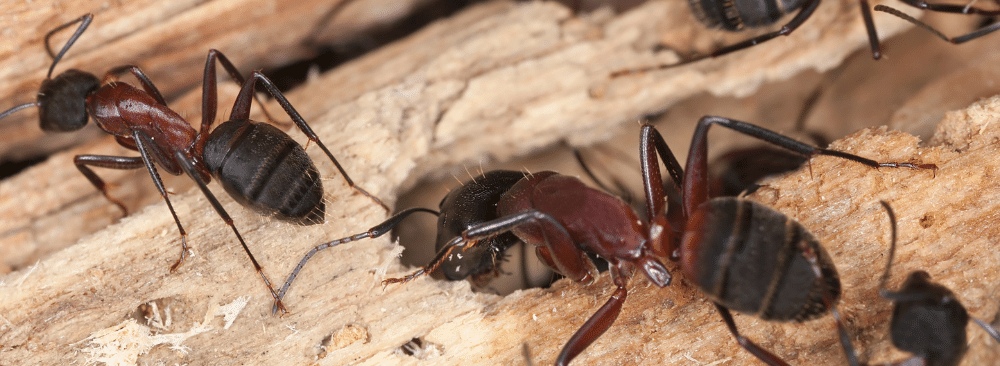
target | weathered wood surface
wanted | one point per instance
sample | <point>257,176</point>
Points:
<point>447,95</point>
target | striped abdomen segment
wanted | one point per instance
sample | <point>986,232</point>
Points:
<point>264,169</point>
<point>749,258</point>
<point>734,15</point>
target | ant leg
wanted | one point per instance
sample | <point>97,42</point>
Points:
<point>761,354</point>
<point>147,85</point>
<point>374,232</point>
<point>956,40</point>
<point>695,191</point>
<point>595,326</point>
<point>808,8</point>
<point>568,259</point>
<point>110,162</point>
<point>189,168</point>
<point>241,110</point>
<point>119,162</point>
<point>84,23</point>
<point>650,144</point>
<point>950,8</point>
<point>209,94</point>
<point>873,42</point>
<point>141,140</point>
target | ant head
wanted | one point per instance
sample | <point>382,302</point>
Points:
<point>472,204</point>
<point>62,101</point>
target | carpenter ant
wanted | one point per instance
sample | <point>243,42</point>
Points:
<point>945,8</point>
<point>927,318</point>
<point>259,165</point>
<point>738,15</point>
<point>737,171</point>
<point>556,214</point>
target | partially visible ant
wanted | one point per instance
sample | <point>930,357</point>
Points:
<point>946,8</point>
<point>739,15</point>
<point>927,318</point>
<point>556,214</point>
<point>259,165</point>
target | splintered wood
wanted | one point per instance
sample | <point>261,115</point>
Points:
<point>497,80</point>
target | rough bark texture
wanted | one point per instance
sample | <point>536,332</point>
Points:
<point>498,80</point>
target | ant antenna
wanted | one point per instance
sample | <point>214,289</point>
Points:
<point>17,108</point>
<point>892,247</point>
<point>85,22</point>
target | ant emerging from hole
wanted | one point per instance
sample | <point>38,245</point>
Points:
<point>927,318</point>
<point>555,213</point>
<point>739,15</point>
<point>260,166</point>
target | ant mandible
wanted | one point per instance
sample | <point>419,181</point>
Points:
<point>927,318</point>
<point>260,166</point>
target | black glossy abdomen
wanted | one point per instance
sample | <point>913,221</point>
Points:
<point>748,258</point>
<point>264,169</point>
<point>734,15</point>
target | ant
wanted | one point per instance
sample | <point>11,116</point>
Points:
<point>260,166</point>
<point>473,203</point>
<point>738,15</point>
<point>737,171</point>
<point>945,8</point>
<point>555,213</point>
<point>927,318</point>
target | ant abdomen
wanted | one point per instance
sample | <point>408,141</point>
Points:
<point>262,168</point>
<point>749,258</point>
<point>62,100</point>
<point>737,15</point>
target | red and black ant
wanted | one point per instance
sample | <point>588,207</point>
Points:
<point>259,165</point>
<point>927,318</point>
<point>558,214</point>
